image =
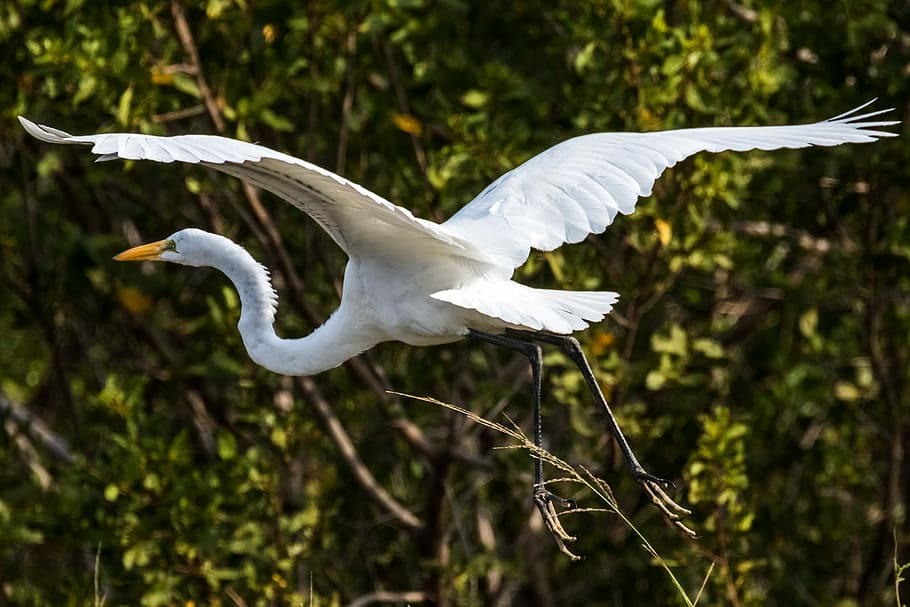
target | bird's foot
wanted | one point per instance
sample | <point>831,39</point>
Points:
<point>657,488</point>
<point>545,501</point>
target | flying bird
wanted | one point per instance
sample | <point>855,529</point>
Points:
<point>424,283</point>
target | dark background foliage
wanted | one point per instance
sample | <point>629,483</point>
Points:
<point>759,354</point>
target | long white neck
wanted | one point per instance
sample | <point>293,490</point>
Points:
<point>340,338</point>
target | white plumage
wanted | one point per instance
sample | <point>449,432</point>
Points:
<point>425,283</point>
<point>577,187</point>
<point>421,282</point>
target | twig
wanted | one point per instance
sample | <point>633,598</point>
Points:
<point>402,98</point>
<point>898,572</point>
<point>202,421</point>
<point>99,598</point>
<point>236,598</point>
<point>29,454</point>
<point>382,596</point>
<point>892,396</point>
<point>596,485</point>
<point>704,584</point>
<point>349,453</point>
<point>36,427</point>
<point>179,114</point>
<point>189,45</point>
<point>802,238</point>
<point>746,15</point>
<point>348,101</point>
<point>211,213</point>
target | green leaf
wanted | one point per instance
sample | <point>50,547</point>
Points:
<point>123,107</point>
<point>185,84</point>
<point>674,342</point>
<point>708,347</point>
<point>475,99</point>
<point>111,492</point>
<point>655,380</point>
<point>279,123</point>
<point>584,56</point>
<point>808,322</point>
<point>227,446</point>
<point>846,391</point>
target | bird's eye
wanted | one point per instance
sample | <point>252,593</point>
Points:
<point>170,245</point>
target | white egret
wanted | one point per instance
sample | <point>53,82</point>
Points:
<point>423,283</point>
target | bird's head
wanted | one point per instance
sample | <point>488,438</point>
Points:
<point>189,247</point>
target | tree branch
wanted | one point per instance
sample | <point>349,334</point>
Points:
<point>189,45</point>
<point>349,453</point>
<point>382,596</point>
<point>36,427</point>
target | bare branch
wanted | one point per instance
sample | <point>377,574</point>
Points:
<point>37,428</point>
<point>349,453</point>
<point>189,45</point>
<point>746,15</point>
<point>408,596</point>
<point>179,114</point>
<point>402,98</point>
<point>29,454</point>
<point>802,238</point>
<point>202,421</point>
<point>348,101</point>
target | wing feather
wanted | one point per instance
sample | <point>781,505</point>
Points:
<point>578,186</point>
<point>538,309</point>
<point>559,196</point>
<point>347,211</point>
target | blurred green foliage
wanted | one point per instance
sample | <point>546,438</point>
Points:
<point>759,352</point>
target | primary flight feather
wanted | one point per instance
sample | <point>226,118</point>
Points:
<point>416,281</point>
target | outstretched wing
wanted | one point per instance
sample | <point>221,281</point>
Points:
<point>577,187</point>
<point>357,219</point>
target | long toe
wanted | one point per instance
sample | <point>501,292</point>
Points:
<point>542,494</point>
<point>672,510</point>
<point>544,500</point>
<point>642,476</point>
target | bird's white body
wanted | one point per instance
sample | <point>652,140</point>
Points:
<point>423,283</point>
<point>383,300</point>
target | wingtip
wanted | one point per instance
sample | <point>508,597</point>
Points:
<point>854,111</point>
<point>42,132</point>
<point>854,116</point>
<point>30,127</point>
<point>860,122</point>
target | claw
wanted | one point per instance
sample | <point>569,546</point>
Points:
<point>642,476</point>
<point>544,500</point>
<point>657,488</point>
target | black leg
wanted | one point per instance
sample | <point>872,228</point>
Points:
<point>543,498</point>
<point>534,355</point>
<point>655,486</point>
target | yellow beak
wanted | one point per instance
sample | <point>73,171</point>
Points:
<point>150,251</point>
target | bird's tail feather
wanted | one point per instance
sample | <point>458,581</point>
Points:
<point>535,309</point>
